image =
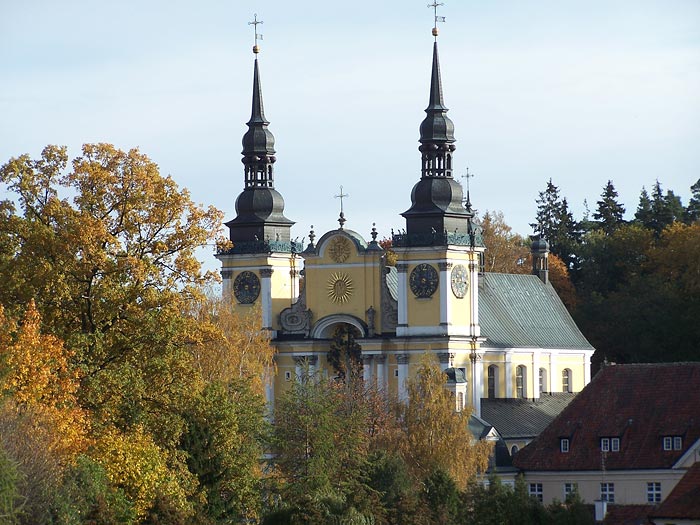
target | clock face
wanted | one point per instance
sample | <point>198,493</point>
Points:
<point>246,287</point>
<point>460,281</point>
<point>423,280</point>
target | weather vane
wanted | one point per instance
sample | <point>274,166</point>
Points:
<point>435,6</point>
<point>258,36</point>
<point>340,196</point>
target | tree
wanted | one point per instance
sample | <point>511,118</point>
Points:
<point>321,448</point>
<point>561,281</point>
<point>506,252</point>
<point>556,223</point>
<point>660,210</point>
<point>610,213</point>
<point>435,436</point>
<point>692,212</point>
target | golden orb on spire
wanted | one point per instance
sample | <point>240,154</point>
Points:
<point>435,31</point>
<point>256,49</point>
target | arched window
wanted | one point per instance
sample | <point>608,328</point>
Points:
<point>460,401</point>
<point>513,450</point>
<point>492,381</point>
<point>521,382</point>
<point>543,380</point>
<point>566,380</point>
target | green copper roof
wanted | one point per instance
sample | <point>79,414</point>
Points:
<point>519,311</point>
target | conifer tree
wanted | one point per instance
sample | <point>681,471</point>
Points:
<point>692,212</point>
<point>610,212</point>
<point>556,223</point>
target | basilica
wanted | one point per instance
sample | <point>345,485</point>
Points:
<point>496,336</point>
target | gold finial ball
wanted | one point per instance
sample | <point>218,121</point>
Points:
<point>435,31</point>
<point>256,49</point>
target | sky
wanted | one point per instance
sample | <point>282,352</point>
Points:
<point>579,92</point>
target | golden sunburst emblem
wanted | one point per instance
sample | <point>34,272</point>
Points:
<point>340,288</point>
<point>339,249</point>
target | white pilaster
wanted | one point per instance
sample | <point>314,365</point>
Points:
<point>444,272</point>
<point>402,307</point>
<point>509,373</point>
<point>266,297</point>
<point>586,368</point>
<point>381,372</point>
<point>402,360</point>
<point>367,369</point>
<point>536,373</point>
<point>553,387</point>
<point>474,328</point>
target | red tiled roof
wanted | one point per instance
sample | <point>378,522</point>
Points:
<point>684,500</point>
<point>627,515</point>
<point>638,403</point>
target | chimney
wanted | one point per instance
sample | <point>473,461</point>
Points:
<point>540,254</point>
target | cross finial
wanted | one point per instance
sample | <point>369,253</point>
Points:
<point>258,36</point>
<point>340,196</point>
<point>466,201</point>
<point>435,6</point>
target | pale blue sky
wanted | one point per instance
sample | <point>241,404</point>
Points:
<point>581,92</point>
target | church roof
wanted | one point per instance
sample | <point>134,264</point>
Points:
<point>523,418</point>
<point>642,405</point>
<point>520,311</point>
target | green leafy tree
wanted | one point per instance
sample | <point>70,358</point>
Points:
<point>610,212</point>
<point>321,446</point>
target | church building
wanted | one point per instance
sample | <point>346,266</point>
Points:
<point>495,335</point>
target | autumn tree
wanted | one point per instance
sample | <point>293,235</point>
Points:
<point>506,251</point>
<point>106,247</point>
<point>435,436</point>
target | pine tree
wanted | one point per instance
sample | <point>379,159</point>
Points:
<point>556,223</point>
<point>692,212</point>
<point>659,211</point>
<point>610,212</point>
<point>643,215</point>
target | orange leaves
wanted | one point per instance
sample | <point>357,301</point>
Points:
<point>41,386</point>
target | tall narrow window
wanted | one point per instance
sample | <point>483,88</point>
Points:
<point>654,492</point>
<point>535,490</point>
<point>521,382</point>
<point>566,380</point>
<point>607,492</point>
<point>460,401</point>
<point>492,381</point>
<point>543,381</point>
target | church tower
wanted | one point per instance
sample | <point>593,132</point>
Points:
<point>259,266</point>
<point>439,250</point>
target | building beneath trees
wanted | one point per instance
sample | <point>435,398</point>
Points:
<point>340,299</point>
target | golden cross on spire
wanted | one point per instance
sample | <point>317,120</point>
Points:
<point>258,36</point>
<point>435,6</point>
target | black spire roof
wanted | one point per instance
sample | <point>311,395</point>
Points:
<point>437,215</point>
<point>260,224</point>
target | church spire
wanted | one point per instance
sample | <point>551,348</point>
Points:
<point>258,142</point>
<point>436,215</point>
<point>437,130</point>
<point>260,224</point>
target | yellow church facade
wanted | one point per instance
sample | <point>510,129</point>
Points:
<point>495,335</point>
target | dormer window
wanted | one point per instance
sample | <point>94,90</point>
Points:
<point>564,445</point>
<point>610,444</point>
<point>615,444</point>
<point>673,443</point>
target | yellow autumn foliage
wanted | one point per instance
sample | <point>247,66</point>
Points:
<point>134,463</point>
